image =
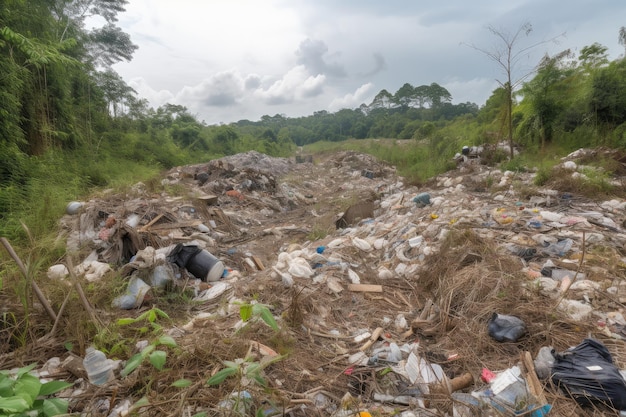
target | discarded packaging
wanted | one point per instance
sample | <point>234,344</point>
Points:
<point>587,374</point>
<point>134,296</point>
<point>199,262</point>
<point>98,366</point>
<point>504,328</point>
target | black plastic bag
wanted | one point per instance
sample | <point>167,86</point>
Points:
<point>181,254</point>
<point>505,328</point>
<point>587,374</point>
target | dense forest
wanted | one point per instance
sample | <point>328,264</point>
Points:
<point>69,122</point>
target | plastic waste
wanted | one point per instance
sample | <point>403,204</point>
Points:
<point>544,362</point>
<point>161,276</point>
<point>199,262</point>
<point>587,374</point>
<point>422,199</point>
<point>73,207</point>
<point>98,366</point>
<point>508,394</point>
<point>134,296</point>
<point>560,248</point>
<point>504,328</point>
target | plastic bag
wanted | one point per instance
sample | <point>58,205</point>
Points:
<point>505,328</point>
<point>587,374</point>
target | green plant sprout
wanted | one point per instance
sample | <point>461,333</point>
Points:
<point>248,311</point>
<point>24,394</point>
<point>246,370</point>
<point>155,356</point>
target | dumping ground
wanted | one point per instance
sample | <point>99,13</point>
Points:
<point>355,270</point>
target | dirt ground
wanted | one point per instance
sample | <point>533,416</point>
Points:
<point>382,275</point>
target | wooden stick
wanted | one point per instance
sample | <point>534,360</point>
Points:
<point>365,288</point>
<point>81,295</point>
<point>36,289</point>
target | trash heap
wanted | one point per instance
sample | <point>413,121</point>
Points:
<point>476,293</point>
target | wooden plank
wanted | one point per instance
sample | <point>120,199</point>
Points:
<point>365,288</point>
<point>258,262</point>
<point>177,225</point>
<point>534,385</point>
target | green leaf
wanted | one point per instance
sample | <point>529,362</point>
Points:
<point>55,407</point>
<point>125,321</point>
<point>266,315</point>
<point>132,364</point>
<point>152,316</point>
<point>53,386</point>
<point>6,386</point>
<point>157,359</point>
<point>259,379</point>
<point>254,367</point>
<point>147,350</point>
<point>167,341</point>
<point>201,414</point>
<point>27,387</point>
<point>219,377</point>
<point>13,404</point>
<point>182,383</point>
<point>245,312</point>
<point>143,401</point>
<point>161,313</point>
<point>25,370</point>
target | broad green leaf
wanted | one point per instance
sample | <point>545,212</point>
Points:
<point>13,404</point>
<point>245,312</point>
<point>157,359</point>
<point>132,364</point>
<point>266,315</point>
<point>27,387</point>
<point>219,377</point>
<point>147,350</point>
<point>125,321</point>
<point>6,386</point>
<point>25,370</point>
<point>53,386</point>
<point>167,341</point>
<point>182,383</point>
<point>54,407</point>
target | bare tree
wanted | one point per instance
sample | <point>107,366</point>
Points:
<point>508,55</point>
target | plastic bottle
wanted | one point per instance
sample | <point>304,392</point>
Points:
<point>98,367</point>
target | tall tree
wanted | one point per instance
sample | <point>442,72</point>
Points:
<point>508,57</point>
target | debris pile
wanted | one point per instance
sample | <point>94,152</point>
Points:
<point>390,299</point>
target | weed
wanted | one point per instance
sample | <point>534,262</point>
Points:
<point>24,394</point>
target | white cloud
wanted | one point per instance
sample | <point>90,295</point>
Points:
<point>353,100</point>
<point>295,84</point>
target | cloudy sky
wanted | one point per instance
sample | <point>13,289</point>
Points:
<point>227,60</point>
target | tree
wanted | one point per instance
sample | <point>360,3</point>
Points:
<point>622,38</point>
<point>543,95</point>
<point>508,57</point>
<point>404,96</point>
<point>438,95</point>
<point>383,100</point>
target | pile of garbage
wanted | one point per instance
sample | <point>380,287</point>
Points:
<point>475,294</point>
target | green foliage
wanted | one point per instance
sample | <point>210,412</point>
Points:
<point>156,357</point>
<point>249,312</point>
<point>24,394</point>
<point>246,370</point>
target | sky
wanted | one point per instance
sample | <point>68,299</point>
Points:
<point>230,60</point>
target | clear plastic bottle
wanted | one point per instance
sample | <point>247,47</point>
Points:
<point>98,367</point>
